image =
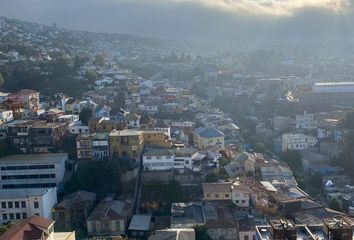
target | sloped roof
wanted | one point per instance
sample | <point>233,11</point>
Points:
<point>132,117</point>
<point>112,209</point>
<point>32,228</point>
<point>74,198</point>
<point>209,132</point>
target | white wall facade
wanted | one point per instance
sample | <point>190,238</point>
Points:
<point>158,163</point>
<point>18,204</point>
<point>297,141</point>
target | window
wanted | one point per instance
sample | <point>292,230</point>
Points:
<point>4,216</point>
<point>18,215</point>
<point>3,205</point>
<point>10,204</point>
<point>216,195</point>
<point>11,216</point>
<point>246,237</point>
<point>24,215</point>
<point>17,204</point>
<point>243,201</point>
<point>207,195</point>
<point>227,195</point>
<point>36,204</point>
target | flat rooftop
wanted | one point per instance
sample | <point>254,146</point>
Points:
<point>23,193</point>
<point>126,132</point>
<point>34,158</point>
<point>140,223</point>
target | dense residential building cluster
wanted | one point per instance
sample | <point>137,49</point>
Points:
<point>226,135</point>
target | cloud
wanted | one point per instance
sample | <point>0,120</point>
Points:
<point>271,7</point>
<point>242,21</point>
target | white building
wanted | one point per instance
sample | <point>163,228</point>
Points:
<point>182,124</point>
<point>24,203</point>
<point>188,158</point>
<point>333,87</point>
<point>158,159</point>
<point>241,194</point>
<point>180,159</point>
<point>306,121</point>
<point>297,141</point>
<point>6,116</point>
<point>78,128</point>
<point>68,118</point>
<point>32,170</point>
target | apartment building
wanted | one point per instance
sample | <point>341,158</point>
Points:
<point>306,121</point>
<point>158,159</point>
<point>126,144</point>
<point>33,171</point>
<point>92,146</point>
<point>19,204</point>
<point>297,141</point>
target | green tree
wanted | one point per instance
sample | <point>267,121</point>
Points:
<point>211,177</point>
<point>85,115</point>
<point>101,177</point>
<point>5,227</point>
<point>293,158</point>
<point>91,76</point>
<point>201,233</point>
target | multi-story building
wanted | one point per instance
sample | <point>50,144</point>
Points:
<point>158,159</point>
<point>306,121</point>
<point>92,146</point>
<point>161,159</point>
<point>241,194</point>
<point>34,136</point>
<point>126,144</point>
<point>33,170</point>
<point>24,203</point>
<point>77,128</point>
<point>17,133</point>
<point>189,158</point>
<point>297,141</point>
<point>109,218</point>
<point>333,87</point>
<point>156,139</point>
<point>28,97</point>
<point>46,137</point>
<point>205,137</point>
<point>73,210</point>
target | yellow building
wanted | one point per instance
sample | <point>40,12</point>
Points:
<point>206,137</point>
<point>157,139</point>
<point>217,191</point>
<point>105,125</point>
<point>127,144</point>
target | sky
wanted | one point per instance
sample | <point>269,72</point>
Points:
<point>252,21</point>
